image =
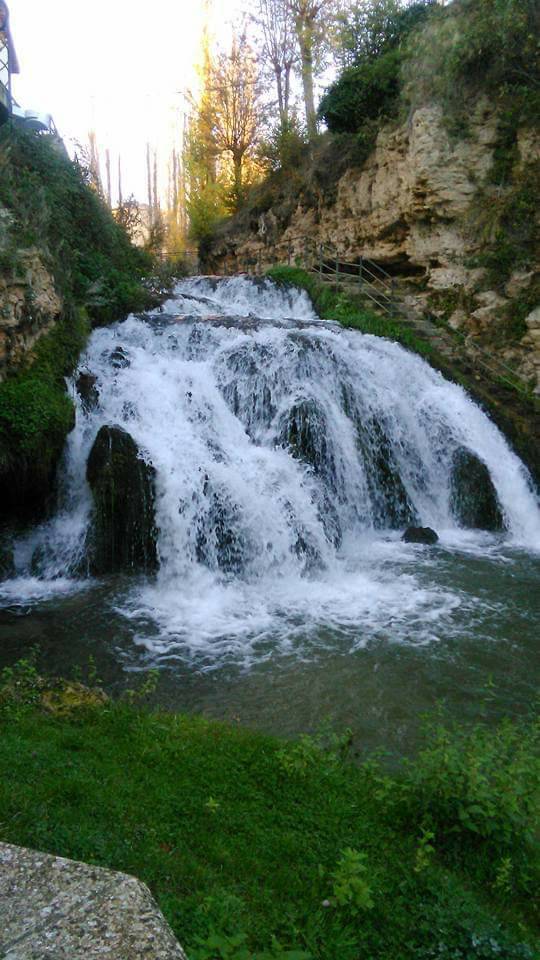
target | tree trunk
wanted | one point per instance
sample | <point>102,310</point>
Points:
<point>306,56</point>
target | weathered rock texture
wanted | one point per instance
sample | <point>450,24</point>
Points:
<point>51,907</point>
<point>29,307</point>
<point>414,209</point>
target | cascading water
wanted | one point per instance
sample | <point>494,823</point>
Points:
<point>289,456</point>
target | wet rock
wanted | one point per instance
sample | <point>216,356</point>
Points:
<point>391,506</point>
<point>420,535</point>
<point>64,697</point>
<point>305,434</point>
<point>119,359</point>
<point>474,501</point>
<point>123,533</point>
<point>85,386</point>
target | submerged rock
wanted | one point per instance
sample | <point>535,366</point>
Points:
<point>473,500</point>
<point>420,535</point>
<point>123,534</point>
<point>119,359</point>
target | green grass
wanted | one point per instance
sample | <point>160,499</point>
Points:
<point>332,302</point>
<point>255,847</point>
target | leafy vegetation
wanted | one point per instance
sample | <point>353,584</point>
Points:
<point>55,210</point>
<point>36,414</point>
<point>259,849</point>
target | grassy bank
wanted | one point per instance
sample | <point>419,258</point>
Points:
<point>260,848</point>
<point>53,209</point>
<point>333,303</point>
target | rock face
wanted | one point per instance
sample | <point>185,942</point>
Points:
<point>63,910</point>
<point>420,535</point>
<point>410,208</point>
<point>29,307</point>
<point>123,532</point>
<point>474,500</point>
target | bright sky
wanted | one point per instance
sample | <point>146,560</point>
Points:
<point>117,66</point>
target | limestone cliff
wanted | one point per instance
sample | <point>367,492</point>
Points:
<point>424,206</point>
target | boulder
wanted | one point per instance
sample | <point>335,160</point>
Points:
<point>123,534</point>
<point>473,499</point>
<point>420,535</point>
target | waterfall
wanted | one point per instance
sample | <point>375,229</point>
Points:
<point>289,455</point>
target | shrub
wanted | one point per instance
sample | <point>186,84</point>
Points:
<point>479,789</point>
<point>367,91</point>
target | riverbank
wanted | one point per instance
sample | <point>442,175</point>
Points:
<point>255,847</point>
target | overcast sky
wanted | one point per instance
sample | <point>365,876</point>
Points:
<point>118,66</point>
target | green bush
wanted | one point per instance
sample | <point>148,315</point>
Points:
<point>478,790</point>
<point>364,92</point>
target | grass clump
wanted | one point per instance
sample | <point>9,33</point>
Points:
<point>332,302</point>
<point>259,849</point>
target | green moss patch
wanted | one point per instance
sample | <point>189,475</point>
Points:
<point>36,414</point>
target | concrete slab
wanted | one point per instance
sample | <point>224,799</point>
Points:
<point>63,910</point>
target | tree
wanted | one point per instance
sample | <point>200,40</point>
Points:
<point>278,52</point>
<point>93,163</point>
<point>128,215</point>
<point>368,28</point>
<point>237,114</point>
<point>310,20</point>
